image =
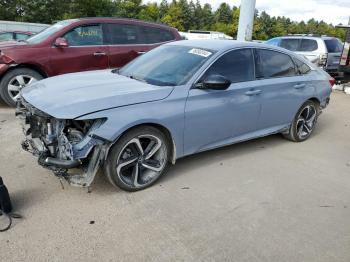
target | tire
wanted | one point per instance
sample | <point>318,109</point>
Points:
<point>138,159</point>
<point>17,79</point>
<point>304,122</point>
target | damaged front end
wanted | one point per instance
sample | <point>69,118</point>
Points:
<point>67,147</point>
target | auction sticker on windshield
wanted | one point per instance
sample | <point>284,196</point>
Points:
<point>200,52</point>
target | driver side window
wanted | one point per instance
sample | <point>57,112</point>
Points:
<point>236,66</point>
<point>85,35</point>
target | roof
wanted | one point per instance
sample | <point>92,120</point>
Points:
<point>17,31</point>
<point>221,45</point>
<point>307,36</point>
<point>106,19</point>
<point>343,26</point>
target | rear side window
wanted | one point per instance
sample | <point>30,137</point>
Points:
<point>6,36</point>
<point>237,66</point>
<point>308,45</point>
<point>154,35</point>
<point>290,44</point>
<point>273,41</point>
<point>121,34</point>
<point>302,68</point>
<point>20,36</point>
<point>333,45</point>
<point>271,64</point>
<point>85,35</point>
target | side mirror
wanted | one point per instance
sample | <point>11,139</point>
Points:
<point>216,82</point>
<point>61,42</point>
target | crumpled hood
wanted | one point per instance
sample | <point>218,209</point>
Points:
<point>73,95</point>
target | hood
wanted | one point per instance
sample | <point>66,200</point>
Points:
<point>73,95</point>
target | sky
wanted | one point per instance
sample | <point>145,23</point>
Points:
<point>330,11</point>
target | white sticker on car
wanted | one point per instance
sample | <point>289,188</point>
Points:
<point>200,52</point>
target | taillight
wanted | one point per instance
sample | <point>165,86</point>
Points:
<point>332,81</point>
<point>323,59</point>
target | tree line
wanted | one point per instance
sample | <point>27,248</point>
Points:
<point>182,14</point>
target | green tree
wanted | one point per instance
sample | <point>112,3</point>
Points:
<point>208,17</point>
<point>8,10</point>
<point>150,12</point>
<point>235,20</point>
<point>127,8</point>
<point>223,14</point>
<point>45,11</point>
<point>163,8</point>
<point>311,26</point>
<point>198,15</point>
<point>174,17</point>
<point>186,15</point>
<point>262,26</point>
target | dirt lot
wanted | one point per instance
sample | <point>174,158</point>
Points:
<point>263,200</point>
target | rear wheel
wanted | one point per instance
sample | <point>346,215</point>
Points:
<point>13,81</point>
<point>138,159</point>
<point>304,122</point>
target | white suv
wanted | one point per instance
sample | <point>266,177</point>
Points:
<point>324,51</point>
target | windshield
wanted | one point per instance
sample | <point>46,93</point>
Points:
<point>334,45</point>
<point>167,65</point>
<point>43,35</point>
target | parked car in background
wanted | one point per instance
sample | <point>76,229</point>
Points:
<point>344,66</point>
<point>14,35</point>
<point>204,35</point>
<point>77,45</point>
<point>323,51</point>
<point>178,99</point>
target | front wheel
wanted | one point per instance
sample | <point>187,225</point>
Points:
<point>138,159</point>
<point>13,81</point>
<point>304,122</point>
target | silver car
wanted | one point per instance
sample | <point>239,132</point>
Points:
<point>323,51</point>
<point>179,99</point>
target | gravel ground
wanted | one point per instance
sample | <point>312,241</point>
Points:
<point>264,200</point>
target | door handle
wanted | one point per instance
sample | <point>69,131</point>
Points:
<point>299,86</point>
<point>141,52</point>
<point>253,92</point>
<point>99,54</point>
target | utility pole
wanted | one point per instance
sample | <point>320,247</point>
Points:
<point>246,20</point>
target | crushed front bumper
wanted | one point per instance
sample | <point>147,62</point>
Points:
<point>72,153</point>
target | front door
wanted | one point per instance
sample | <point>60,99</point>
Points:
<point>86,51</point>
<point>212,117</point>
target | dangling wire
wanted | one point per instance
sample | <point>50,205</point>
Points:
<point>9,222</point>
<point>9,217</point>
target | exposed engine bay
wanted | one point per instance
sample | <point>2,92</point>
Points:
<point>66,147</point>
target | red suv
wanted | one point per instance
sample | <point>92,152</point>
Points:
<point>76,45</point>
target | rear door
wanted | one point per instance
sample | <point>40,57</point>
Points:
<point>127,41</point>
<point>283,88</point>
<point>86,51</point>
<point>124,43</point>
<point>309,49</point>
<point>344,66</point>
<point>334,48</point>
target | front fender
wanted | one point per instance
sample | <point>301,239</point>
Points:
<point>168,114</point>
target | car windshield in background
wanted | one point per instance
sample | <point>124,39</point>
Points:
<point>167,65</point>
<point>43,35</point>
<point>333,45</point>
